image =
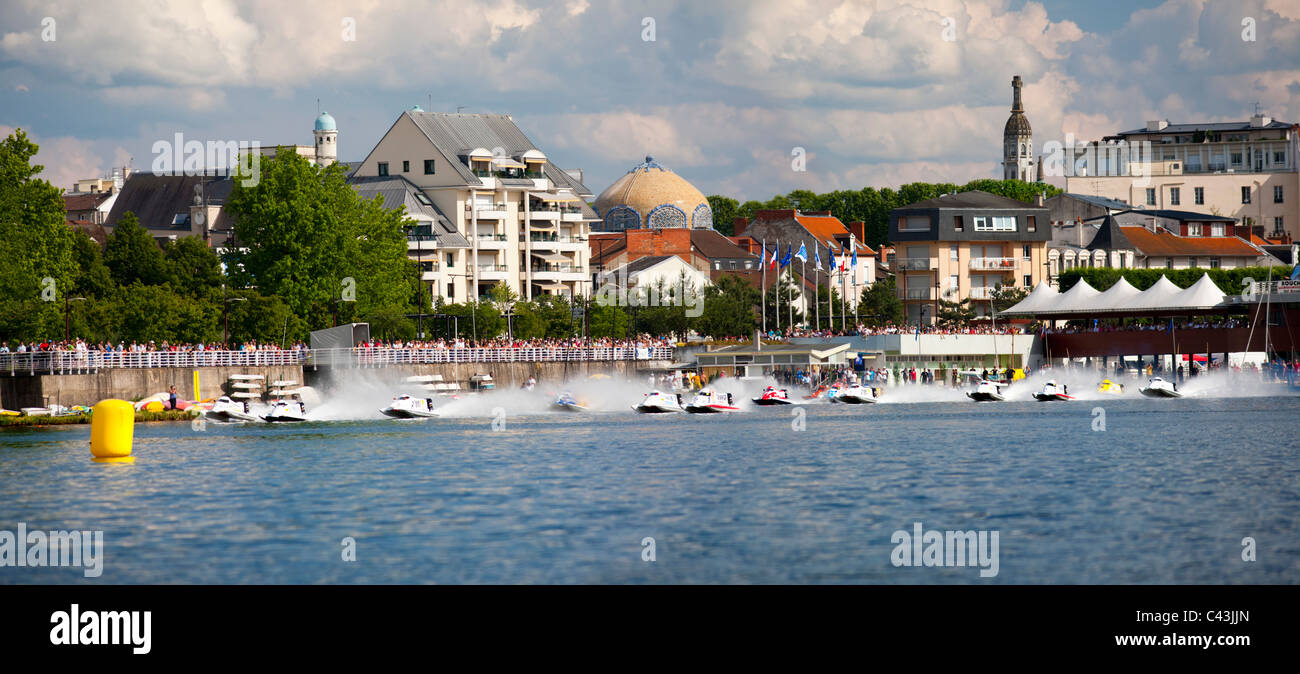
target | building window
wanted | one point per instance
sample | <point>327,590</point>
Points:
<point>995,223</point>
<point>428,167</point>
<point>914,223</point>
<point>1279,157</point>
<point>702,217</point>
<point>1175,196</point>
<point>958,224</point>
<point>1191,262</point>
<point>406,166</point>
<point>1031,223</point>
<point>1236,159</point>
<point>1169,263</point>
<point>952,282</point>
<point>1245,194</point>
<point>667,216</point>
<point>451,290</point>
<point>1024,252</point>
<point>952,253</point>
<point>1198,193</point>
<point>1277,194</point>
<point>1216,229</point>
<point>1194,229</point>
<point>1215,262</point>
<point>449,260</point>
<point>1277,225</point>
<point>383,168</point>
<point>1151,196</point>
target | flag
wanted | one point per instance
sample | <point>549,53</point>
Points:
<point>854,264</point>
<point>774,252</point>
<point>802,254</point>
<point>844,260</point>
<point>762,257</point>
<point>831,252</point>
<point>817,255</point>
<point>788,253</point>
<point>1295,273</point>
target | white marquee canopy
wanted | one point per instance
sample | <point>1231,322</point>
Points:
<point>1163,296</point>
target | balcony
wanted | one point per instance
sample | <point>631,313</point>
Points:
<point>914,264</point>
<point>426,244</point>
<point>993,264</point>
<point>982,293</point>
<point>492,241</point>
<point>918,293</point>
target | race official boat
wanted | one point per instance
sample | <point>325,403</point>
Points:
<point>708,401</point>
<point>1052,391</point>
<point>658,402</point>
<point>772,396</point>
<point>287,410</point>
<point>1108,386</point>
<point>1160,388</point>
<point>227,410</point>
<point>410,407</point>
<point>987,391</point>
<point>857,395</point>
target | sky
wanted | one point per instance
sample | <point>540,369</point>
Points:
<point>724,92</point>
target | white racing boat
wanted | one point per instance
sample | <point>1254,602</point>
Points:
<point>708,401</point>
<point>567,403</point>
<point>228,410</point>
<point>772,396</point>
<point>410,407</point>
<point>287,410</point>
<point>1052,391</point>
<point>658,402</point>
<point>1160,388</point>
<point>987,391</point>
<point>856,395</point>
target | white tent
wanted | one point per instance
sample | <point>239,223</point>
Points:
<point>1115,298</point>
<point>1160,296</point>
<point>1203,294</point>
<point>1076,299</point>
<point>1042,297</point>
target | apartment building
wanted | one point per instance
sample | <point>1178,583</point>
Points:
<point>963,246</point>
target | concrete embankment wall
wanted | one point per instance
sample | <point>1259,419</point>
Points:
<point>132,384</point>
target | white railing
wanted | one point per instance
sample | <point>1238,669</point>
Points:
<point>918,294</point>
<point>915,264</point>
<point>993,263</point>
<point>981,293</point>
<point>58,362</point>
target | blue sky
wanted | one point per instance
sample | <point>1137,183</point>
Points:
<point>872,91</point>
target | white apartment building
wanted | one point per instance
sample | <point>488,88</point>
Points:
<point>490,207</point>
<point>1243,170</point>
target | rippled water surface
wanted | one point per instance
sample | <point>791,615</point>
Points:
<point>1165,494</point>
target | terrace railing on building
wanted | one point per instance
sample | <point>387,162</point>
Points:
<point>993,263</point>
<point>73,362</point>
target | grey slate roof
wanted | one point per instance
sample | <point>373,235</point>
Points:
<point>156,199</point>
<point>1212,126</point>
<point>1181,216</point>
<point>1104,202</point>
<point>396,192</point>
<point>1110,237</point>
<point>644,263</point>
<point>455,134</point>
<point>971,199</point>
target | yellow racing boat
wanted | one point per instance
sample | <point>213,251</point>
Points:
<point>1108,386</point>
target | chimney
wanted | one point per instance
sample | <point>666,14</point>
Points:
<point>739,224</point>
<point>859,230</point>
<point>1038,200</point>
<point>1157,124</point>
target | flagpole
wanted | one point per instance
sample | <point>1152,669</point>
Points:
<point>803,266</point>
<point>817,283</point>
<point>778,286</point>
<point>762,262</point>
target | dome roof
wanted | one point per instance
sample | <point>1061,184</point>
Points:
<point>1017,125</point>
<point>651,196</point>
<point>325,122</point>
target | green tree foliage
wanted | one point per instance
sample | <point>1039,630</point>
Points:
<point>192,265</point>
<point>880,304</point>
<point>305,236</point>
<point>36,247</point>
<point>729,308</point>
<point>725,210</point>
<point>132,255</point>
<point>1228,280</point>
<point>831,306</point>
<point>872,206</point>
<point>955,314</point>
<point>1005,297</point>
<point>787,291</point>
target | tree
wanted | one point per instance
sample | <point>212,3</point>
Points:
<point>725,210</point>
<point>306,236</point>
<point>1005,297</point>
<point>36,245</point>
<point>729,306</point>
<point>132,256</point>
<point>788,292</point>
<point>880,304</point>
<point>955,314</point>
<point>192,265</point>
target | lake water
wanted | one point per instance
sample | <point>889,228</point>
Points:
<point>1165,494</point>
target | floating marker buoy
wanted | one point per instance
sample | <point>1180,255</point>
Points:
<point>112,430</point>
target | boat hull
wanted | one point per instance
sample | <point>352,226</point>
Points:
<point>711,409</point>
<point>982,397</point>
<point>566,407</point>
<point>281,418</point>
<point>1159,393</point>
<point>770,401</point>
<point>657,409</point>
<point>853,400</point>
<point>1051,397</point>
<point>229,417</point>
<point>393,413</point>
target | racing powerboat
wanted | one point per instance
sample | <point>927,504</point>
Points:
<point>772,396</point>
<point>226,409</point>
<point>856,395</point>
<point>286,410</point>
<point>1108,386</point>
<point>1052,392</point>
<point>658,402</point>
<point>1160,388</point>
<point>708,401</point>
<point>566,402</point>
<point>410,407</point>
<point>987,391</point>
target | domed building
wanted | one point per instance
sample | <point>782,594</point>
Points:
<point>652,197</point>
<point>1018,140</point>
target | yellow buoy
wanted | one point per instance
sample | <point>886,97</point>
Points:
<point>112,430</point>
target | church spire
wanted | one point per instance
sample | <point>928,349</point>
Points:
<point>1015,96</point>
